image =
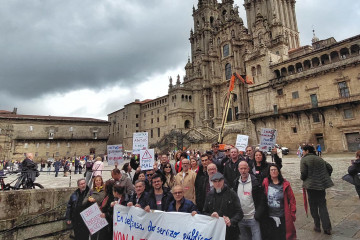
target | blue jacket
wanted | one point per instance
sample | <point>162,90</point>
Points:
<point>186,206</point>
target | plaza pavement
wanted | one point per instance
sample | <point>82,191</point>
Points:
<point>342,200</point>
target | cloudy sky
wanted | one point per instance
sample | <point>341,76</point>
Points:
<point>88,58</point>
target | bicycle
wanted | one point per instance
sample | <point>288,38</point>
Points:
<point>24,181</point>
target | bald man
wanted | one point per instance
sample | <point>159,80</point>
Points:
<point>29,167</point>
<point>252,201</point>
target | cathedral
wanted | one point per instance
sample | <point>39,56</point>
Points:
<point>309,94</point>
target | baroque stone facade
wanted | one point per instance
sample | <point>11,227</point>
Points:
<point>50,137</point>
<point>288,79</point>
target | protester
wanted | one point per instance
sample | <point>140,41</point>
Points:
<point>123,181</point>
<point>169,175</point>
<point>249,152</point>
<point>74,207</point>
<point>193,164</point>
<point>159,196</point>
<point>224,202</point>
<point>164,160</point>
<point>217,156</point>
<point>126,170</point>
<point>282,206</point>
<point>140,197</point>
<point>315,173</point>
<point>211,170</point>
<point>106,232</point>
<point>177,159</point>
<point>231,167</point>
<point>142,177</point>
<point>202,186</point>
<point>261,167</point>
<point>180,203</point>
<point>186,178</point>
<point>253,203</point>
<point>96,194</point>
<point>354,170</point>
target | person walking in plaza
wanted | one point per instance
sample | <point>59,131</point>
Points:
<point>88,170</point>
<point>74,207</point>
<point>354,170</point>
<point>315,173</point>
<point>49,166</point>
<point>186,178</point>
<point>282,206</point>
<point>67,167</point>
<point>224,202</point>
<point>57,165</point>
<point>253,203</point>
<point>318,149</point>
<point>97,167</point>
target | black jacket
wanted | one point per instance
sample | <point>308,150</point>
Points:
<point>353,170</point>
<point>143,200</point>
<point>165,201</point>
<point>202,186</point>
<point>226,203</point>
<point>231,171</point>
<point>74,206</point>
<point>29,168</point>
<point>187,206</point>
<point>258,195</point>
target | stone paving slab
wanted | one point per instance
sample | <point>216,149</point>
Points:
<point>343,203</point>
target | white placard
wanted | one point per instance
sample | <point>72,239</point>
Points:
<point>140,141</point>
<point>147,159</point>
<point>241,142</point>
<point>115,154</point>
<point>134,223</point>
<point>92,219</point>
<point>267,139</point>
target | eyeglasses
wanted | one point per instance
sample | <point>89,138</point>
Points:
<point>177,193</point>
<point>149,174</point>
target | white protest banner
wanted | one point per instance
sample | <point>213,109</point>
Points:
<point>267,139</point>
<point>134,223</point>
<point>92,219</point>
<point>140,141</point>
<point>115,154</point>
<point>241,142</point>
<point>147,159</point>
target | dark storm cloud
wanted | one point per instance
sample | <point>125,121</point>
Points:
<point>57,46</point>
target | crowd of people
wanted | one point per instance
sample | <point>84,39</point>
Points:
<point>249,192</point>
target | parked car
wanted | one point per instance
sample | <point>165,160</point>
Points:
<point>285,150</point>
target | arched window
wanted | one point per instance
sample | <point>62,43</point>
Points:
<point>182,97</point>
<point>187,124</point>
<point>226,50</point>
<point>258,69</point>
<point>253,71</point>
<point>228,72</point>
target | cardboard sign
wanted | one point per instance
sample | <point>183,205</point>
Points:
<point>140,141</point>
<point>147,159</point>
<point>241,142</point>
<point>92,219</point>
<point>115,154</point>
<point>267,139</point>
<point>134,223</point>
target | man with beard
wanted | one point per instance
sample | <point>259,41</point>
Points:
<point>74,207</point>
<point>224,202</point>
<point>159,197</point>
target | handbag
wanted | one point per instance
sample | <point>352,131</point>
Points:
<point>348,178</point>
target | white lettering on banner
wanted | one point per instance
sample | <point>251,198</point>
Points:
<point>134,223</point>
<point>140,141</point>
<point>241,142</point>
<point>267,139</point>
<point>92,219</point>
<point>115,154</point>
<point>147,159</point>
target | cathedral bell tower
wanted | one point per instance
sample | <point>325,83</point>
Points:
<point>273,23</point>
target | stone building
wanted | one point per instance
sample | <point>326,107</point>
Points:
<point>50,136</point>
<point>288,80</point>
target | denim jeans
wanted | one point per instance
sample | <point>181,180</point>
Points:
<point>249,229</point>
